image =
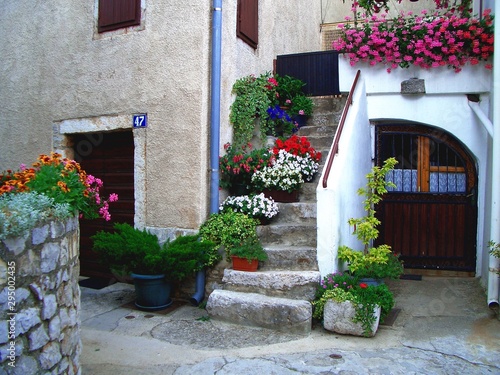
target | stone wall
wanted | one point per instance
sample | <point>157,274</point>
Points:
<point>40,301</point>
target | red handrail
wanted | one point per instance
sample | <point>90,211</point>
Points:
<point>335,148</point>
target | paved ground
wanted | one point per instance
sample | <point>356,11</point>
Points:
<point>444,327</point>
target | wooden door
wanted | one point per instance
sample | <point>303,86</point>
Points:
<point>430,217</point>
<point>110,157</point>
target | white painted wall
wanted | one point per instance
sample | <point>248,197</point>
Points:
<point>339,201</point>
<point>444,106</point>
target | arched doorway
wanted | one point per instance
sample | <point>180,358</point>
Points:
<point>430,217</point>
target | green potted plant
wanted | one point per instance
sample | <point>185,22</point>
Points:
<point>378,262</point>
<point>246,257</point>
<point>228,230</point>
<point>254,95</point>
<point>348,306</point>
<point>287,89</point>
<point>152,266</point>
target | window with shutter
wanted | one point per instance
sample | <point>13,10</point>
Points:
<point>247,25</point>
<point>117,14</point>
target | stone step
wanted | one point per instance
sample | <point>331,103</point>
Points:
<point>287,234</point>
<point>321,130</point>
<point>308,190</point>
<point>292,258</point>
<point>298,212</point>
<point>250,309</point>
<point>285,283</point>
<point>328,104</point>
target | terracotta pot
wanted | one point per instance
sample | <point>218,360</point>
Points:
<point>243,264</point>
<point>282,196</point>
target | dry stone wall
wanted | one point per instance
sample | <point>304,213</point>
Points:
<point>40,301</point>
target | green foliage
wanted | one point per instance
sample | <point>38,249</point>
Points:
<point>365,228</point>
<point>253,98</point>
<point>188,254</point>
<point>378,263</point>
<point>250,250</point>
<point>343,287</point>
<point>301,105</point>
<point>288,88</point>
<point>21,212</point>
<point>229,229</point>
<point>138,251</point>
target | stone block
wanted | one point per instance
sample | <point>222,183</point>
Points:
<point>49,306</point>
<point>282,314</point>
<point>338,317</point>
<point>26,319</point>
<point>39,234</point>
<point>55,327</point>
<point>49,257</point>
<point>413,86</point>
<point>38,338</point>
<point>50,355</point>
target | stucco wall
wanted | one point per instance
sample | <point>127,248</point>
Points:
<point>58,73</point>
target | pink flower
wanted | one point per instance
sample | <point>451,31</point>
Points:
<point>113,197</point>
<point>301,112</point>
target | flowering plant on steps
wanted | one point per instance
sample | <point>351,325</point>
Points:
<point>256,206</point>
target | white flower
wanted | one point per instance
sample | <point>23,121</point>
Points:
<point>254,206</point>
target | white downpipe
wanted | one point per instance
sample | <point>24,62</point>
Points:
<point>482,117</point>
<point>493,277</point>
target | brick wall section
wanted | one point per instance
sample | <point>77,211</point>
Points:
<point>40,333</point>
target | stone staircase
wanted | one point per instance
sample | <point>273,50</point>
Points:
<point>278,295</point>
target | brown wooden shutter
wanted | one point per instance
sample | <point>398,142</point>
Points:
<point>116,14</point>
<point>247,25</point>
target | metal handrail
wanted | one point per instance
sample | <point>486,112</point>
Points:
<point>335,148</point>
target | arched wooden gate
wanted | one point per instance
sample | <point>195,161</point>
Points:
<point>430,217</point>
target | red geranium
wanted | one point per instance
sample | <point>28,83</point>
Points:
<point>296,145</point>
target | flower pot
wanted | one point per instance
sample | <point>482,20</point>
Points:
<point>338,317</point>
<point>243,264</point>
<point>238,188</point>
<point>282,196</point>
<point>152,292</point>
<point>301,120</point>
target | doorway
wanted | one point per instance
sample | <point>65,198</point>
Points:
<point>430,216</point>
<point>110,157</point>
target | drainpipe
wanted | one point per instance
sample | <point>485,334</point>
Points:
<point>214,132</point>
<point>493,278</point>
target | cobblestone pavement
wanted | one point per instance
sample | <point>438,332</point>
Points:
<point>443,327</point>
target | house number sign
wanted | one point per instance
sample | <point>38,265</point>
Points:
<point>140,120</point>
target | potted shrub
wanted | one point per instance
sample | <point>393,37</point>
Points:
<point>152,266</point>
<point>348,306</point>
<point>255,206</point>
<point>246,257</point>
<point>377,264</point>
<point>228,230</point>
